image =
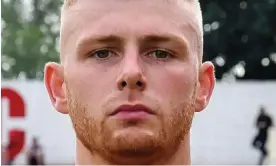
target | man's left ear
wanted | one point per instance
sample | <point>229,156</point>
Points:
<point>205,86</point>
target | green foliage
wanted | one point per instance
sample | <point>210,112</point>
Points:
<point>29,38</point>
<point>246,37</point>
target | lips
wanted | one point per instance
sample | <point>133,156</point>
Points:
<point>132,108</point>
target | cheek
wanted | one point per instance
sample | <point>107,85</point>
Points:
<point>174,82</point>
<point>89,85</point>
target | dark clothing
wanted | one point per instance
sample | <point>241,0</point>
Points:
<point>10,162</point>
<point>33,161</point>
<point>33,155</point>
<point>263,123</point>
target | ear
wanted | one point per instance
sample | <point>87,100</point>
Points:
<point>205,86</point>
<point>54,82</point>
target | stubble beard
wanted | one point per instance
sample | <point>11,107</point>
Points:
<point>97,137</point>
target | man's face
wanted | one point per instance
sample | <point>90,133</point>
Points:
<point>119,52</point>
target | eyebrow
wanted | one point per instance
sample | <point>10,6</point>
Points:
<point>100,39</point>
<point>143,41</point>
<point>165,38</point>
<point>109,39</point>
<point>162,38</point>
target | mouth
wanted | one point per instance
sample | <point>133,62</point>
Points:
<point>132,111</point>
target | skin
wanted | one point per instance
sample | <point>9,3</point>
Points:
<point>118,52</point>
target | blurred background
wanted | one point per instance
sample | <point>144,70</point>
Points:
<point>239,38</point>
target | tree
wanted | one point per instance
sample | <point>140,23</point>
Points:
<point>240,37</point>
<point>29,37</point>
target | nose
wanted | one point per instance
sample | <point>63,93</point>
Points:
<point>131,76</point>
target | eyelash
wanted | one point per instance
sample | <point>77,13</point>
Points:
<point>170,53</point>
<point>92,53</point>
<point>148,55</point>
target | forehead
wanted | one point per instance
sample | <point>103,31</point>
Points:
<point>80,17</point>
<point>172,8</point>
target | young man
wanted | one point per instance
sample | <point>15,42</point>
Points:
<point>131,78</point>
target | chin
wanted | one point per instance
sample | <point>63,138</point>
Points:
<point>134,145</point>
<point>133,132</point>
<point>135,139</point>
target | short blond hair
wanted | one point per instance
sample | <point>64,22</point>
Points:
<point>199,19</point>
<point>69,2</point>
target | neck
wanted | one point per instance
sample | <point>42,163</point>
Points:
<point>181,156</point>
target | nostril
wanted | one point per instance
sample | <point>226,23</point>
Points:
<point>124,84</point>
<point>139,83</point>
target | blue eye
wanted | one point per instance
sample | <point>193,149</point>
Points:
<point>101,54</point>
<point>160,54</point>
